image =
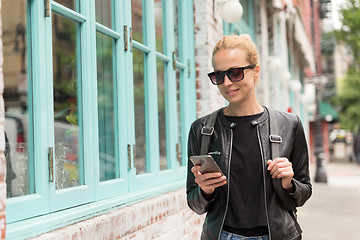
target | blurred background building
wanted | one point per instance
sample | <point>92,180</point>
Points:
<point>99,97</point>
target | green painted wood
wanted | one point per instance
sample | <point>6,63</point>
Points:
<point>150,85</point>
<point>35,204</point>
<point>129,86</point>
<point>85,193</point>
<point>68,13</point>
<point>163,57</point>
<point>188,78</point>
<point>31,144</point>
<point>180,65</point>
<point>107,31</point>
<point>117,186</point>
<point>35,226</point>
<point>170,87</point>
<point>94,196</point>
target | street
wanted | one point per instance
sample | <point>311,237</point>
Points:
<point>333,211</point>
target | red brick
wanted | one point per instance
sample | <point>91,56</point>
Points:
<point>2,168</point>
<point>2,195</point>
<point>2,224</point>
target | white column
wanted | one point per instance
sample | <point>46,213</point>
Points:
<point>284,59</point>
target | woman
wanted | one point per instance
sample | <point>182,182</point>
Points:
<point>242,204</point>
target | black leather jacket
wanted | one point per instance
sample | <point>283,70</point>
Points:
<point>294,147</point>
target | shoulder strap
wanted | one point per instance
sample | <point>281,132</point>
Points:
<point>207,132</point>
<point>275,141</point>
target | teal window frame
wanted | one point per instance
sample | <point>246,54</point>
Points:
<point>48,208</point>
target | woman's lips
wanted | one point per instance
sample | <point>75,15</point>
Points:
<point>231,92</point>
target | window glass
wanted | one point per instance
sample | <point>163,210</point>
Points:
<point>176,27</point>
<point>106,107</point>
<point>68,160</point>
<point>139,109</point>
<point>159,25</point>
<point>19,162</point>
<point>179,75</point>
<point>179,126</point>
<point>161,112</point>
<point>68,3</point>
<point>103,12</point>
<point>137,21</point>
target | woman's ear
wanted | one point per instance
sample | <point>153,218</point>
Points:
<point>256,72</point>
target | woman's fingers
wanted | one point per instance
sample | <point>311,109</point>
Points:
<point>208,181</point>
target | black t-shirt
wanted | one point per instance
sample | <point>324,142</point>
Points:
<point>246,213</point>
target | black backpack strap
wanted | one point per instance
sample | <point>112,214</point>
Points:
<point>275,141</point>
<point>207,132</point>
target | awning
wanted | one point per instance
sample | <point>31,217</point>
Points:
<point>327,112</point>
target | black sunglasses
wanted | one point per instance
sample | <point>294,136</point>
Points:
<point>234,74</point>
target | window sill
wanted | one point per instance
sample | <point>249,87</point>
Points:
<point>42,224</point>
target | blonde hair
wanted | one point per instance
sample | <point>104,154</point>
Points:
<point>242,42</point>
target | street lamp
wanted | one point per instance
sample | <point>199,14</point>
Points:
<point>230,10</point>
<point>318,82</point>
<point>320,175</point>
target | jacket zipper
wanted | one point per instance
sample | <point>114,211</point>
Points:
<point>215,153</point>
<point>228,183</point>
<point>262,164</point>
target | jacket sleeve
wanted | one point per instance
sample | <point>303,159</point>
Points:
<point>300,163</point>
<point>195,199</point>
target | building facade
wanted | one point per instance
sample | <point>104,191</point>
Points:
<point>96,101</point>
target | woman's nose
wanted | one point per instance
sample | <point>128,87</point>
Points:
<point>227,81</point>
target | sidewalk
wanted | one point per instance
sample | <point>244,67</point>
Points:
<point>333,211</point>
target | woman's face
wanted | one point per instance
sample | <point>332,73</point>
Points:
<point>241,91</point>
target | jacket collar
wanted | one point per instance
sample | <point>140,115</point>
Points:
<point>262,118</point>
<point>228,124</point>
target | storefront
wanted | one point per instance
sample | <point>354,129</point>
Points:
<point>95,95</point>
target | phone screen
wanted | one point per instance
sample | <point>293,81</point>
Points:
<point>206,162</point>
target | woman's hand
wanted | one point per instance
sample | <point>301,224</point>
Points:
<point>282,168</point>
<point>208,181</point>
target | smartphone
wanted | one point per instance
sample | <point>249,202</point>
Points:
<point>207,164</point>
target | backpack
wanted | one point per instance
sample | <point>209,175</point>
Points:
<point>275,141</point>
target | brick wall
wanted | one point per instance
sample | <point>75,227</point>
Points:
<point>208,30</point>
<point>163,217</point>
<point>2,143</point>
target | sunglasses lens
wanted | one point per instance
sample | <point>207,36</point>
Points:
<point>236,74</point>
<point>216,78</point>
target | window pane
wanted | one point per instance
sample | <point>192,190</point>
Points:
<point>19,163</point>
<point>176,27</point>
<point>137,22</point>
<point>68,3</point>
<point>103,12</point>
<point>159,25</point>
<point>140,144</point>
<point>106,107</point>
<point>179,75</point>
<point>68,162</point>
<point>161,112</point>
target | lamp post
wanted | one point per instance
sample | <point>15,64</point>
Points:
<point>320,175</point>
<point>230,10</point>
<point>318,82</point>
